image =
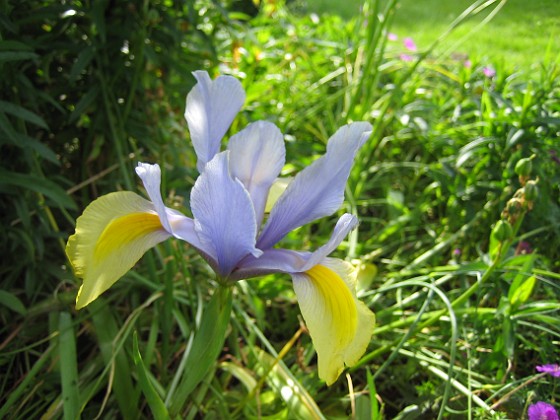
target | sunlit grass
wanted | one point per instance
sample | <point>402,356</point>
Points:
<point>521,34</point>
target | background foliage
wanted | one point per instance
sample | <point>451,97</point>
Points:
<point>465,311</point>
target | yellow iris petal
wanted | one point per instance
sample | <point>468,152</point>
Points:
<point>340,325</point>
<point>111,236</point>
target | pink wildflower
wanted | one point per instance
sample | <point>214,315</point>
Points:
<point>552,369</point>
<point>489,71</point>
<point>542,411</point>
<point>406,57</point>
<point>409,44</point>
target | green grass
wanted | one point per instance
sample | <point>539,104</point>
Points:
<point>522,34</point>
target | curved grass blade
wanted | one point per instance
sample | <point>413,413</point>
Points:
<point>154,401</point>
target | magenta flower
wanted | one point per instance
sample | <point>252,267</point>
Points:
<point>489,71</point>
<point>467,63</point>
<point>409,44</point>
<point>552,369</point>
<point>392,37</point>
<point>542,411</point>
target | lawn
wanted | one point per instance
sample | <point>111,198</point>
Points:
<point>520,35</point>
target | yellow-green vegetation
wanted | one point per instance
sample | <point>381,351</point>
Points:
<point>521,34</point>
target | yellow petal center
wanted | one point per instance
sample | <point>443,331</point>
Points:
<point>124,230</point>
<point>338,302</point>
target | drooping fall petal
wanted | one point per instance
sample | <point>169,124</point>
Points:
<point>340,325</point>
<point>111,235</point>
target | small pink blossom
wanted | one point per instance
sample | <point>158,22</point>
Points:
<point>552,369</point>
<point>406,57</point>
<point>489,71</point>
<point>409,44</point>
<point>542,411</point>
<point>392,37</point>
<point>467,63</point>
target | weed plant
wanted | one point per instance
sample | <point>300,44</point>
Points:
<point>457,247</point>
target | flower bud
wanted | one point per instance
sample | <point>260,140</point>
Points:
<point>523,167</point>
<point>502,231</point>
<point>531,190</point>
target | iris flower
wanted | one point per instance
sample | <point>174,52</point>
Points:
<point>229,227</point>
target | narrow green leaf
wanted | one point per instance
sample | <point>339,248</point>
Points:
<point>523,284</point>
<point>207,345</point>
<point>6,45</point>
<point>11,301</point>
<point>300,404</point>
<point>154,401</point>
<point>106,330</point>
<point>24,114</point>
<point>24,141</point>
<point>6,56</point>
<point>83,60</point>
<point>68,367</point>
<point>84,103</point>
<point>375,411</point>
<point>37,184</point>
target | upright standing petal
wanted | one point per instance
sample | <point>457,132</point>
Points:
<point>257,155</point>
<point>318,190</point>
<point>224,215</point>
<point>211,108</point>
<point>151,178</point>
<point>111,235</point>
<point>340,325</point>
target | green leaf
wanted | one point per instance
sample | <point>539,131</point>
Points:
<point>6,56</point>
<point>206,347</point>
<point>84,103</point>
<point>298,400</point>
<point>83,60</point>
<point>24,114</point>
<point>37,184</point>
<point>106,330</point>
<point>12,302</point>
<point>375,409</point>
<point>68,367</point>
<point>523,284</point>
<point>154,401</point>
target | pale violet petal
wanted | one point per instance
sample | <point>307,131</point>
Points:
<point>211,107</point>
<point>278,260</point>
<point>174,222</point>
<point>151,178</point>
<point>224,218</point>
<point>271,261</point>
<point>257,155</point>
<point>318,190</point>
<point>345,224</point>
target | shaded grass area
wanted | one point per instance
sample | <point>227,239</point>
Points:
<point>521,34</point>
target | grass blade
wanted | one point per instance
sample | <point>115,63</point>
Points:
<point>68,367</point>
<point>154,401</point>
